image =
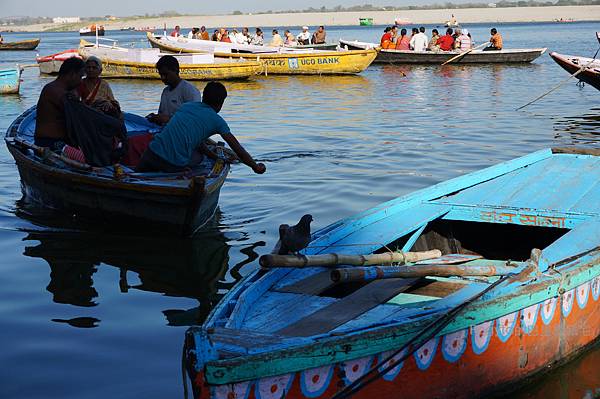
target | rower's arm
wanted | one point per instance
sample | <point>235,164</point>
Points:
<point>242,154</point>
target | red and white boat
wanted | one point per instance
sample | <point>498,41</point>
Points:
<point>574,63</point>
<point>50,64</point>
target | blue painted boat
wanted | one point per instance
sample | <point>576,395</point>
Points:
<point>10,80</point>
<point>178,203</point>
<point>515,290</point>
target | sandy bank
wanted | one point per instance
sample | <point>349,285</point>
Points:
<point>472,15</point>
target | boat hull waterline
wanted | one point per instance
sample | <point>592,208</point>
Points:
<point>10,80</point>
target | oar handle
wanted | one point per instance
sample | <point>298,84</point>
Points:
<point>464,53</point>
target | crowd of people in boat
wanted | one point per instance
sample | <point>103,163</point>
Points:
<point>243,36</point>
<point>80,97</point>
<point>455,39</point>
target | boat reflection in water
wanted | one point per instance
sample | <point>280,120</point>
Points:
<point>193,268</point>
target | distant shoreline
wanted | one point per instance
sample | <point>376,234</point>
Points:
<point>412,17</point>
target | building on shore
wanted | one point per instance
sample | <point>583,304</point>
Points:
<point>66,20</point>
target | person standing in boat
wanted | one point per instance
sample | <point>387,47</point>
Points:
<point>319,36</point>
<point>173,149</point>
<point>304,36</point>
<point>495,41</point>
<point>177,92</point>
<point>50,126</point>
<point>95,91</point>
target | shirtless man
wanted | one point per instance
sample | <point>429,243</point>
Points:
<point>50,128</point>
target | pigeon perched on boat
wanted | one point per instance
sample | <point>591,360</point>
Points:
<point>293,239</point>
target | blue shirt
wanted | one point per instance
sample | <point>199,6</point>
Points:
<point>193,123</point>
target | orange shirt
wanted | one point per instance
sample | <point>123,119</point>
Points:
<point>204,35</point>
<point>496,41</point>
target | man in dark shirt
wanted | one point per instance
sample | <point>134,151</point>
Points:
<point>50,127</point>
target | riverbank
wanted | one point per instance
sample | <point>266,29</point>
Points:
<point>467,15</point>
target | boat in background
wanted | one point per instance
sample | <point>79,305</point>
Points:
<point>10,80</point>
<point>504,56</point>
<point>365,21</point>
<point>92,30</point>
<point>179,203</point>
<point>20,45</point>
<point>573,64</point>
<point>402,21</point>
<point>282,61</point>
<point>119,62</point>
<point>50,64</point>
<point>477,283</point>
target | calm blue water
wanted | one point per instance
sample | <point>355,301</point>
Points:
<point>97,315</point>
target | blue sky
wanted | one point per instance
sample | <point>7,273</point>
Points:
<point>55,8</point>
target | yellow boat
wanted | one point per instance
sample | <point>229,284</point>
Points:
<point>285,63</point>
<point>118,62</point>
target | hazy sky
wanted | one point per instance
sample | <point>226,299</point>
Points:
<point>53,8</point>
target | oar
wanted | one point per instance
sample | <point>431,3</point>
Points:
<point>386,258</point>
<point>583,68</point>
<point>46,152</point>
<point>457,57</point>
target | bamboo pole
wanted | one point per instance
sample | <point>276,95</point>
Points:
<point>464,53</point>
<point>46,152</point>
<point>377,273</point>
<point>387,258</point>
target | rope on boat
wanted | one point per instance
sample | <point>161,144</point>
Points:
<point>416,342</point>
<point>581,69</point>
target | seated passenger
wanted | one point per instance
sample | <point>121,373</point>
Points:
<point>258,39</point>
<point>177,92</point>
<point>386,39</point>
<point>173,148</point>
<point>96,92</point>
<point>50,127</point>
<point>433,43</point>
<point>446,42</point>
<point>276,41</point>
<point>464,42</point>
<point>495,41</point>
<point>402,43</point>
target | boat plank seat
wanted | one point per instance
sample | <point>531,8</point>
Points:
<point>348,308</point>
<point>311,285</point>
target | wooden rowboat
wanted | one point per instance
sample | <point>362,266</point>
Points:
<point>10,80</point>
<point>50,64</point>
<point>504,56</point>
<point>517,282</point>
<point>20,45</point>
<point>167,201</point>
<point>288,62</point>
<point>118,62</point>
<point>573,63</point>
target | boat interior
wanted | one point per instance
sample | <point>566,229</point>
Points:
<point>495,221</point>
<point>135,125</point>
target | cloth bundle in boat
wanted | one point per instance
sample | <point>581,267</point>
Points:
<point>102,138</point>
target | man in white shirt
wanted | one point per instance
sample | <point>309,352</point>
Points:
<point>419,42</point>
<point>304,36</point>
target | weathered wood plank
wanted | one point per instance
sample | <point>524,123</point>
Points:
<point>355,304</point>
<point>312,285</point>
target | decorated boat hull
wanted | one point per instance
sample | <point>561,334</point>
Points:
<point>50,64</point>
<point>572,64</point>
<point>293,332</point>
<point>10,80</point>
<point>155,202</point>
<point>292,63</point>
<point>20,45</point>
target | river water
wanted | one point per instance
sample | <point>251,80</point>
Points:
<point>95,314</point>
